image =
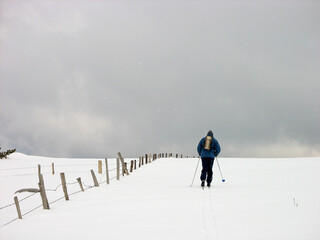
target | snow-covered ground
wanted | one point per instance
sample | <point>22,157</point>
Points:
<point>261,199</point>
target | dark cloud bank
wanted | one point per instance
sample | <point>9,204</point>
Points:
<point>91,78</point>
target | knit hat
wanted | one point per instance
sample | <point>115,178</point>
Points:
<point>210,133</point>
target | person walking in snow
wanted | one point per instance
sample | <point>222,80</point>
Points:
<point>208,149</point>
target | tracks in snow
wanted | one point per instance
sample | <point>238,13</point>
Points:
<point>209,221</point>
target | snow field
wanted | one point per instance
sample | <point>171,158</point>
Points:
<point>261,199</point>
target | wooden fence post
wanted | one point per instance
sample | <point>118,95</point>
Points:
<point>123,164</point>
<point>131,166</point>
<point>39,172</point>
<point>52,168</point>
<point>43,194</point>
<point>64,186</point>
<point>123,170</point>
<point>146,158</point>
<point>107,171</point>
<point>118,169</point>
<point>18,207</point>
<point>135,164</point>
<point>80,183</point>
<point>142,161</point>
<point>139,161</point>
<point>100,167</point>
<point>95,181</point>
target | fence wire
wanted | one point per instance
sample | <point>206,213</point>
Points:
<point>60,198</point>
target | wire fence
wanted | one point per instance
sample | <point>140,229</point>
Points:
<point>120,171</point>
<point>87,186</point>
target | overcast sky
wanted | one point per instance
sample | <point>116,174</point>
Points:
<point>92,78</point>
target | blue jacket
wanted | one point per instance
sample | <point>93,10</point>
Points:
<point>212,153</point>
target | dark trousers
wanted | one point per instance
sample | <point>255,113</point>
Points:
<point>206,173</point>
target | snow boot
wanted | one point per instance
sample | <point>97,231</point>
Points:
<point>202,183</point>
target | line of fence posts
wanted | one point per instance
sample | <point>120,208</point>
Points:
<point>148,158</point>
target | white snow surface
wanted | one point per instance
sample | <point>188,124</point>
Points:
<point>260,199</point>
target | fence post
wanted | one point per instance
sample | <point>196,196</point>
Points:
<point>43,194</point>
<point>64,186</point>
<point>96,184</point>
<point>131,166</point>
<point>118,169</point>
<point>52,168</point>
<point>107,171</point>
<point>142,161</point>
<point>123,164</point>
<point>80,183</point>
<point>100,167</point>
<point>146,158</point>
<point>123,168</point>
<point>139,161</point>
<point>18,207</point>
<point>135,164</point>
<point>39,172</point>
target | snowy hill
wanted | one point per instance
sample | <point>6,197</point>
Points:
<point>261,199</point>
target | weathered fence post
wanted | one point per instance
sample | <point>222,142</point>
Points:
<point>118,169</point>
<point>142,161</point>
<point>43,194</point>
<point>80,183</point>
<point>135,164</point>
<point>52,168</point>
<point>100,167</point>
<point>107,171</point>
<point>123,168</point>
<point>95,181</point>
<point>131,166</point>
<point>146,158</point>
<point>64,186</point>
<point>18,207</point>
<point>39,172</point>
<point>123,164</point>
<point>139,161</point>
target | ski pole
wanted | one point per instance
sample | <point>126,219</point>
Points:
<point>195,172</point>
<point>223,180</point>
